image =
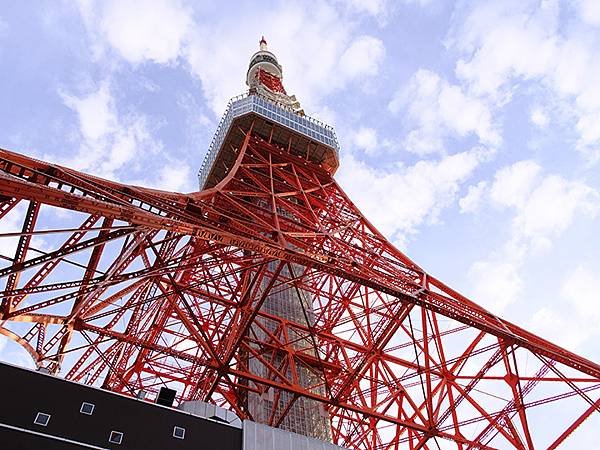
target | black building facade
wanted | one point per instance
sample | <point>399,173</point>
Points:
<point>39,411</point>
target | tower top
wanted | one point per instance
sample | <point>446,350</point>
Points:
<point>263,61</point>
<point>265,77</point>
<point>273,112</point>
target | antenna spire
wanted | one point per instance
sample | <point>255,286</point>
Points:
<point>263,44</point>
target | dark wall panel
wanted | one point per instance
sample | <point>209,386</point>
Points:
<point>145,425</point>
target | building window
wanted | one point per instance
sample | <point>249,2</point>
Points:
<point>179,433</point>
<point>87,408</point>
<point>42,419</point>
<point>116,437</point>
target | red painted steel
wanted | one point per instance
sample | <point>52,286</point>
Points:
<point>156,288</point>
<point>272,82</point>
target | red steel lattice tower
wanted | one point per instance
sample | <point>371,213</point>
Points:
<point>269,293</point>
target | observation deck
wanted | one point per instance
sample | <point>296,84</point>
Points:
<point>299,134</point>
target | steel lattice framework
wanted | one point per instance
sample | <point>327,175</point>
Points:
<point>154,287</point>
<point>270,294</point>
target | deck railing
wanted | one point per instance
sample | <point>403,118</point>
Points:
<point>245,103</point>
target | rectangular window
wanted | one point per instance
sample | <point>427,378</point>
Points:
<point>87,408</point>
<point>116,437</point>
<point>42,419</point>
<point>179,432</point>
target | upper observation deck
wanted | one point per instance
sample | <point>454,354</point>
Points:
<point>297,133</point>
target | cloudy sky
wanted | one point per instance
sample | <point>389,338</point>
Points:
<point>470,131</point>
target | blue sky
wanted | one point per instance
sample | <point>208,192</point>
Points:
<point>470,131</point>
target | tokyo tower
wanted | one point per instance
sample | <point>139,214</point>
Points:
<point>268,293</point>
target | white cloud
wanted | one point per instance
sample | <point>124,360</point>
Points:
<point>13,353</point>
<point>317,46</point>
<point>545,206</point>
<point>140,30</point>
<point>362,57</point>
<point>539,117</point>
<point>95,111</point>
<point>413,194</point>
<point>501,39</point>
<point>108,142</point>
<point>439,109</point>
<point>420,2</point>
<point>576,320</point>
<point>309,43</point>
<point>588,126</point>
<point>590,11</point>
<point>495,284</point>
<point>474,197</point>
<point>505,43</point>
<point>365,138</point>
<point>558,327</point>
<point>121,146</point>
<point>553,205</point>
<point>175,177</point>
<point>380,9</point>
<point>10,223</point>
<point>513,184</point>
<point>581,288</point>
